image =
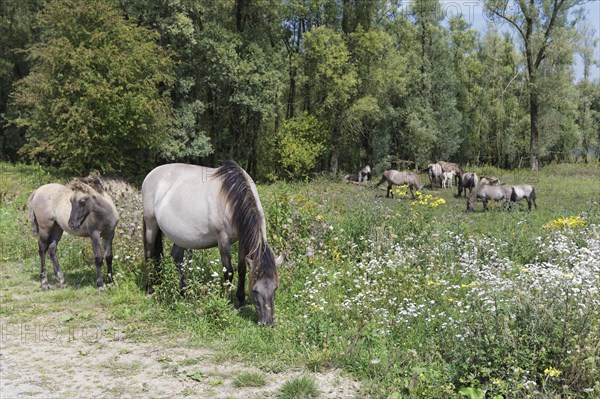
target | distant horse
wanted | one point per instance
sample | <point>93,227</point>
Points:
<point>521,191</point>
<point>81,208</point>
<point>491,181</point>
<point>434,171</point>
<point>363,175</point>
<point>449,167</point>
<point>467,181</point>
<point>447,178</point>
<point>199,207</point>
<point>398,178</point>
<point>486,192</point>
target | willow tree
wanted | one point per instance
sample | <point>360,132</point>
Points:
<point>540,25</point>
<point>96,96</point>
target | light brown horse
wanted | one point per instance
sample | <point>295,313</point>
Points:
<point>449,167</point>
<point>81,208</point>
<point>467,181</point>
<point>398,178</point>
<point>197,207</point>
<point>526,191</point>
<point>485,193</point>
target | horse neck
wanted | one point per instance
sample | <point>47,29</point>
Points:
<point>103,205</point>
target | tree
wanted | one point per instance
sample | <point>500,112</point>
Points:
<point>96,96</point>
<point>331,83</point>
<point>541,26</point>
<point>17,31</point>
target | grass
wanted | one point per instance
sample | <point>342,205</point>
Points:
<point>303,387</point>
<point>411,300</point>
<point>249,379</point>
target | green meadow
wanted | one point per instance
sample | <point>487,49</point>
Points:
<point>411,298</point>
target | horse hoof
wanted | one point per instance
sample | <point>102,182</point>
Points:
<point>45,287</point>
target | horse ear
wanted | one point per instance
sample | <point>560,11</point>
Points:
<point>279,260</point>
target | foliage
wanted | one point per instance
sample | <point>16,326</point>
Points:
<point>202,82</point>
<point>93,99</point>
<point>299,143</point>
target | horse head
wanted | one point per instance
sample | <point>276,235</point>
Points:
<point>263,283</point>
<point>82,202</point>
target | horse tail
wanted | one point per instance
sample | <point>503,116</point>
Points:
<point>513,195</point>
<point>381,181</point>
<point>533,196</point>
<point>32,219</point>
<point>157,246</point>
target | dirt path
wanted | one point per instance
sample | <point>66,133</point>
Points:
<point>47,351</point>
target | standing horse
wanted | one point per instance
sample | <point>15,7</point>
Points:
<point>81,208</point>
<point>198,207</point>
<point>467,181</point>
<point>447,179</point>
<point>486,192</point>
<point>434,171</point>
<point>449,167</point>
<point>526,191</point>
<point>393,176</point>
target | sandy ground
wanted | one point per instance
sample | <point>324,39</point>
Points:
<point>51,356</point>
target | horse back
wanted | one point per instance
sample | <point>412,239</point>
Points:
<point>186,203</point>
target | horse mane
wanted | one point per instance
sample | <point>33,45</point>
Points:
<point>247,218</point>
<point>86,183</point>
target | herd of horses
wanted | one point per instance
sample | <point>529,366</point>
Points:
<point>443,173</point>
<point>197,207</point>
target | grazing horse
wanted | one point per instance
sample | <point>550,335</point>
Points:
<point>198,207</point>
<point>486,192</point>
<point>434,171</point>
<point>81,208</point>
<point>447,179</point>
<point>521,191</point>
<point>398,178</point>
<point>467,181</point>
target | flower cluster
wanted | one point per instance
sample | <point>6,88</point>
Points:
<point>427,200</point>
<point>401,191</point>
<point>399,287</point>
<point>570,222</point>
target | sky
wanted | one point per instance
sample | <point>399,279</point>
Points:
<point>472,12</point>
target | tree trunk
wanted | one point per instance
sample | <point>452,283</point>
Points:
<point>534,137</point>
<point>333,164</point>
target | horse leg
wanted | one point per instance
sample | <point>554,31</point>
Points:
<point>42,248</point>
<point>108,257</point>
<point>389,191</point>
<point>177,253</point>
<point>55,236</point>
<point>98,258</point>
<point>224,250</point>
<point>485,205</point>
<point>241,286</point>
